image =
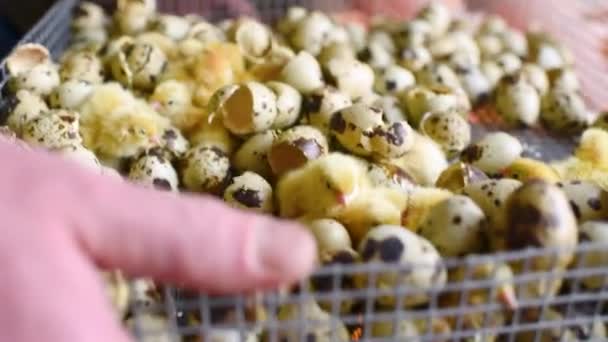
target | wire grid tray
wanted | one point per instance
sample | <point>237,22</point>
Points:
<point>465,309</point>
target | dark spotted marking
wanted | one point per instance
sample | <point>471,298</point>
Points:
<point>390,85</point>
<point>584,237</point>
<point>67,118</point>
<point>472,153</point>
<point>156,152</point>
<point>575,209</point>
<point>247,197</point>
<point>312,104</point>
<point>325,283</point>
<point>161,184</point>
<point>595,204</point>
<point>169,135</point>
<point>72,135</point>
<point>309,147</point>
<point>497,202</point>
<point>337,123</point>
<point>370,248</point>
<point>79,11</point>
<point>395,134</point>
<point>391,249</point>
<point>310,337</point>
<point>343,257</point>
<point>523,221</point>
<point>216,150</point>
<point>364,55</point>
<point>8,106</point>
<point>457,220</point>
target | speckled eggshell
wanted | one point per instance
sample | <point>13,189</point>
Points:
<point>491,196</point>
<point>206,169</point>
<point>399,246</point>
<point>250,191</point>
<point>152,170</point>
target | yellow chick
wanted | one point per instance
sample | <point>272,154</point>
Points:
<point>218,65</point>
<point>116,124</point>
<point>576,169</point>
<point>322,187</point>
<point>590,162</point>
<point>373,207</point>
<point>501,275</point>
<point>504,293</point>
<point>593,148</point>
<point>421,201</point>
<point>179,70</point>
<point>526,169</point>
<point>173,99</point>
<point>104,99</point>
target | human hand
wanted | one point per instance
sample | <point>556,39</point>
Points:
<point>60,223</point>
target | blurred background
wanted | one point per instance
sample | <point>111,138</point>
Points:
<point>580,24</point>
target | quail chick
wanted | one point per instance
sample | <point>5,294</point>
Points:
<point>590,161</point>
<point>322,187</point>
<point>116,124</point>
<point>526,169</point>
<point>218,65</point>
<point>593,148</point>
<point>173,99</point>
<point>373,207</point>
<point>500,273</point>
<point>502,288</point>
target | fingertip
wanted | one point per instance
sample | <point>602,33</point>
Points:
<point>286,250</point>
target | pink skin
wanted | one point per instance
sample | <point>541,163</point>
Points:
<point>61,222</point>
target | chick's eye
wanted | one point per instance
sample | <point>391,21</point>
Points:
<point>328,185</point>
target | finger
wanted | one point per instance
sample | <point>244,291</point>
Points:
<point>197,241</point>
<point>53,294</point>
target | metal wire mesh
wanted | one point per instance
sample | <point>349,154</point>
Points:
<point>469,304</point>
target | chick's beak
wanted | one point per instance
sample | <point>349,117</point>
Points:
<point>155,140</point>
<point>341,198</point>
<point>506,296</point>
<point>156,105</point>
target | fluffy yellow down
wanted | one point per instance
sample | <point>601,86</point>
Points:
<point>337,186</point>
<point>116,124</point>
<point>590,160</point>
